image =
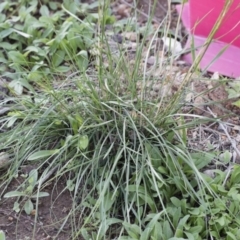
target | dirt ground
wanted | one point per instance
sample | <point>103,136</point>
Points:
<point>52,210</point>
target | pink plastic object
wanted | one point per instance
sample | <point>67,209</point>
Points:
<point>199,18</point>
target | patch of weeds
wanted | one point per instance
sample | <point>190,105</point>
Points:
<point>27,193</point>
<point>39,40</point>
<point>129,177</point>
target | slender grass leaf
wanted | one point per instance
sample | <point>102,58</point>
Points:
<point>62,69</point>
<point>40,194</point>
<point>42,154</point>
<point>14,194</point>
<point>26,35</point>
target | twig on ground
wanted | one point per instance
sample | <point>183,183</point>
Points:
<point>233,143</point>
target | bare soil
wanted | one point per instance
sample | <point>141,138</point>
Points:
<point>52,211</point>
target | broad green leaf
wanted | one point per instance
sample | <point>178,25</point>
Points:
<point>11,121</point>
<point>2,235</point>
<point>133,230</point>
<point>111,221</point>
<point>154,155</point>
<point>14,194</point>
<point>109,20</point>
<point>4,5</point>
<point>225,157</point>
<point>176,238</point>
<point>17,58</point>
<point>83,142</point>
<point>74,124</point>
<point>28,206</point>
<point>126,238</point>
<point>153,228</point>
<point>143,195</point>
<point>16,86</point>
<point>146,233</point>
<point>33,177</point>
<point>196,229</point>
<point>221,221</point>
<point>63,31</point>
<point>70,185</point>
<point>3,59</point>
<point>71,6</point>
<point>6,33</point>
<point>62,69</point>
<point>176,202</point>
<point>108,201</point>
<point>53,5</point>
<point>5,25</point>
<point>176,217</point>
<point>42,154</point>
<point>85,234</point>
<point>44,10</point>
<point>237,103</point>
<point>25,83</point>
<point>158,233</point>
<point>183,221</point>
<point>8,46</point>
<point>35,49</point>
<point>167,230</point>
<point>72,40</point>
<point>190,236</point>
<point>235,175</point>
<point>234,91</point>
<point>16,207</point>
<point>40,194</point>
<point>58,58</point>
<point>82,60</point>
<point>231,236</point>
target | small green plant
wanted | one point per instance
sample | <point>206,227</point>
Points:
<point>28,193</point>
<point>233,90</point>
<point>2,235</point>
